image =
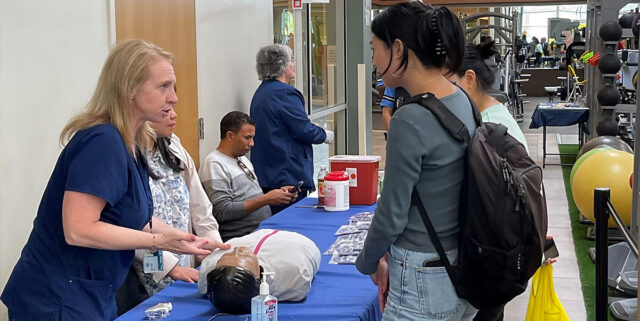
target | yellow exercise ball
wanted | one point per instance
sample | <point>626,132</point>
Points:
<point>581,159</point>
<point>609,168</point>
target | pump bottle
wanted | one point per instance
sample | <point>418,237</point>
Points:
<point>264,307</point>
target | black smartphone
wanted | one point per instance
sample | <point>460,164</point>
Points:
<point>550,249</point>
<point>297,187</point>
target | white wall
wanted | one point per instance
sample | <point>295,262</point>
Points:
<point>228,35</point>
<point>51,53</point>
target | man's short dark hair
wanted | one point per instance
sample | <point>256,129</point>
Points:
<point>230,289</point>
<point>233,121</point>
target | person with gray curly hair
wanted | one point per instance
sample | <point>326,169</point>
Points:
<point>272,61</point>
<point>282,154</point>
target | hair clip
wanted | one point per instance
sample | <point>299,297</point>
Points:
<point>439,50</point>
<point>434,23</point>
<point>438,47</point>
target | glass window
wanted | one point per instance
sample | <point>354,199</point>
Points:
<point>322,152</point>
<point>284,32</point>
<point>326,26</point>
<point>319,46</point>
<point>535,19</point>
<point>283,25</point>
<point>629,7</point>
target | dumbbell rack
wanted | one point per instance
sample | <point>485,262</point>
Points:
<point>599,13</point>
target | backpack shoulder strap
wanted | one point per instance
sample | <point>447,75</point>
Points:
<point>474,109</point>
<point>433,235</point>
<point>447,119</point>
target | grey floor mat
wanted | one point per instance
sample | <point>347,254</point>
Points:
<point>629,282</point>
<point>626,310</point>
<point>621,260</point>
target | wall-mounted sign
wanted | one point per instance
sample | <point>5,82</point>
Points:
<point>296,4</point>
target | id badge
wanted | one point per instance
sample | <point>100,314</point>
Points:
<point>152,261</point>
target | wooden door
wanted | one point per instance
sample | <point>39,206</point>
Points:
<point>171,24</point>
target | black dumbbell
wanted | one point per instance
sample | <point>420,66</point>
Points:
<point>608,96</point>
<point>609,64</point>
<point>610,31</point>
<point>607,127</point>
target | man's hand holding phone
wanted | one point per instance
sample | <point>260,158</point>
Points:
<point>279,196</point>
<point>296,189</point>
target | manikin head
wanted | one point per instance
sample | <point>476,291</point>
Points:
<point>234,281</point>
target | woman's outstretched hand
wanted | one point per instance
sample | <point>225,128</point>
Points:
<point>181,243</point>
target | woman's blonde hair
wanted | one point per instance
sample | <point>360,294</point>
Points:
<point>126,69</point>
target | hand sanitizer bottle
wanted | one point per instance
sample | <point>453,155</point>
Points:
<point>264,307</point>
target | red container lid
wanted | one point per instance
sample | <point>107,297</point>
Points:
<point>337,176</point>
<point>355,158</point>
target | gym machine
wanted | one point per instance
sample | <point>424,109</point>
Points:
<point>506,88</point>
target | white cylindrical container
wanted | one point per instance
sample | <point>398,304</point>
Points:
<point>336,191</point>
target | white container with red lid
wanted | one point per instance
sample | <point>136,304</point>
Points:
<point>336,191</point>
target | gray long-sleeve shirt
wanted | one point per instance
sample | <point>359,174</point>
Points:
<point>420,152</point>
<point>228,186</point>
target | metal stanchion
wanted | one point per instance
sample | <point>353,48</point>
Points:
<point>601,214</point>
<point>633,245</point>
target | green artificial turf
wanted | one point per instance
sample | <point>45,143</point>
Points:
<point>579,231</point>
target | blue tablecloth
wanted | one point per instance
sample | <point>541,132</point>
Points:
<point>339,292</point>
<point>558,114</point>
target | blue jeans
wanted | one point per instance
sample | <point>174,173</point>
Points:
<point>422,293</point>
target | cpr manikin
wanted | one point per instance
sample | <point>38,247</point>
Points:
<point>230,278</point>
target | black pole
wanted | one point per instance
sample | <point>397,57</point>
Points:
<point>601,214</point>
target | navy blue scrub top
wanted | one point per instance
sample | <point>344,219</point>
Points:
<point>55,281</point>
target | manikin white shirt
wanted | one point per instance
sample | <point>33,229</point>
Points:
<point>293,257</point>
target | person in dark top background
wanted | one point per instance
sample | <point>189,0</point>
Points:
<point>282,155</point>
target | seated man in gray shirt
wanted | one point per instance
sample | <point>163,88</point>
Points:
<point>230,181</point>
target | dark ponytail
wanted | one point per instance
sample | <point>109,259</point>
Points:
<point>475,59</point>
<point>162,147</point>
<point>434,34</point>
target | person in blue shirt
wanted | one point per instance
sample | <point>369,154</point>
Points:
<point>97,206</point>
<point>411,43</point>
<point>392,99</point>
<point>282,155</point>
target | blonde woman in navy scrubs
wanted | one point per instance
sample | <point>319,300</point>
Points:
<point>97,207</point>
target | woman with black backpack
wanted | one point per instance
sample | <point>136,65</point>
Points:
<point>412,42</point>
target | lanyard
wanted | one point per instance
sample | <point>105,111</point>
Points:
<point>145,184</point>
<point>255,252</point>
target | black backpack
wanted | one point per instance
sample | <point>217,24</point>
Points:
<point>503,212</point>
